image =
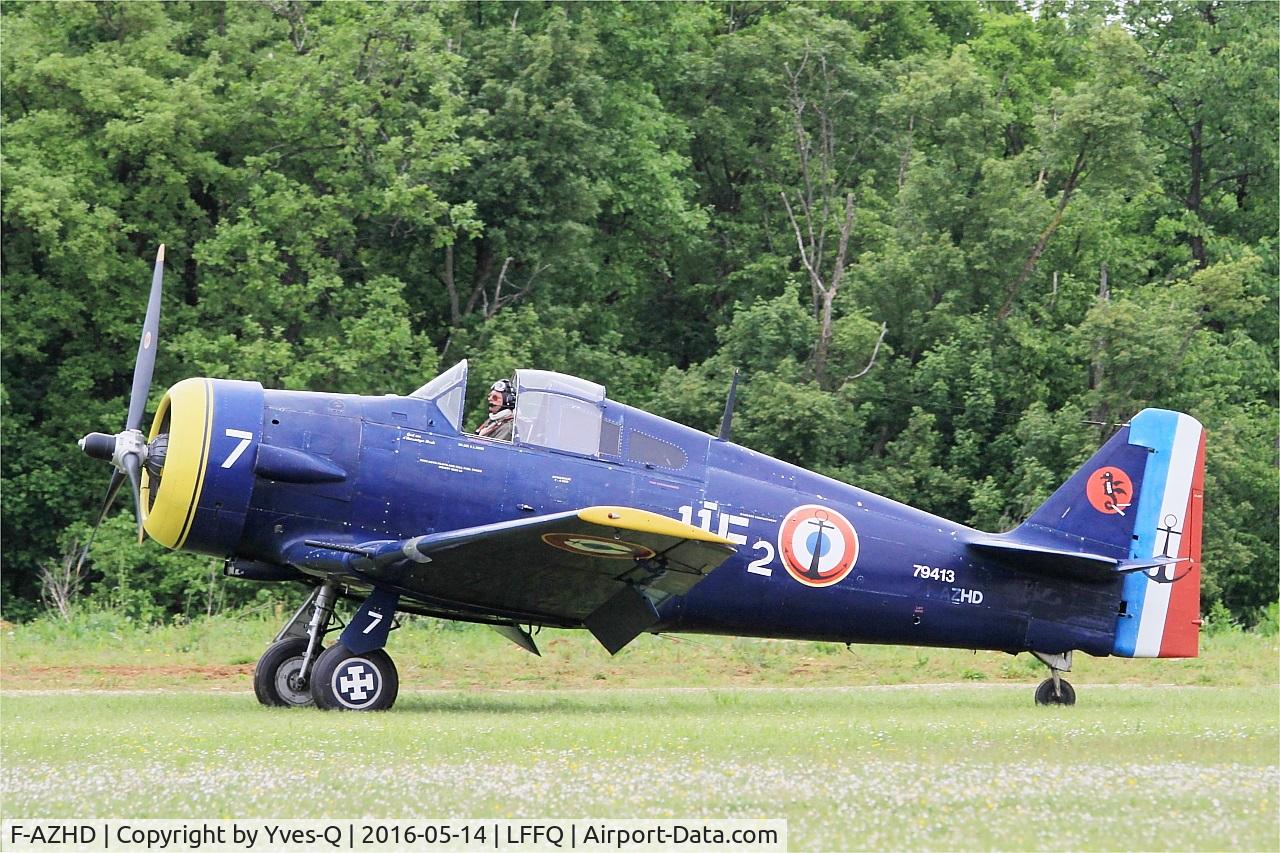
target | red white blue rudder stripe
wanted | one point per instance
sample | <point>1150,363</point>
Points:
<point>1161,612</point>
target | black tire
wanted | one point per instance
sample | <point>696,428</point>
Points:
<point>345,681</point>
<point>1046,696</point>
<point>274,677</point>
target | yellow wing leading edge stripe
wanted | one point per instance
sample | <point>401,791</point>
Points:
<point>628,518</point>
<point>172,509</point>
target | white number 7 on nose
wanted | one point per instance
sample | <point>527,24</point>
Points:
<point>238,450</point>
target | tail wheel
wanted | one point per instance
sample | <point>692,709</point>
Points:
<point>344,680</point>
<point>1045,694</point>
<point>276,678</point>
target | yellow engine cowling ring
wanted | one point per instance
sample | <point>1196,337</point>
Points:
<point>214,427</point>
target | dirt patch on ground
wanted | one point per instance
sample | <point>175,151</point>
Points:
<point>215,671</point>
<point>115,676</point>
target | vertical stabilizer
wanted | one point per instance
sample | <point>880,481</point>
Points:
<point>1095,511</point>
<point>1140,496</point>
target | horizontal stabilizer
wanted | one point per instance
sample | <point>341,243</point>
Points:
<point>1039,559</point>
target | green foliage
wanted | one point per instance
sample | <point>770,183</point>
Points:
<point>1219,621</point>
<point>1060,218</point>
<point>763,335</point>
<point>1268,624</point>
<point>1212,69</point>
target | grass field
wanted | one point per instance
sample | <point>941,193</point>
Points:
<point>961,767</point>
<point>881,748</point>
<point>100,650</point>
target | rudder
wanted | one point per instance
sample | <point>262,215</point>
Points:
<point>1161,616</point>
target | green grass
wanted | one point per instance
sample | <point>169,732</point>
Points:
<point>958,767</point>
<point>101,650</point>
<point>950,754</point>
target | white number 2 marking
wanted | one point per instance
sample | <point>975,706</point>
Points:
<point>761,566</point>
<point>375,619</point>
<point>238,450</point>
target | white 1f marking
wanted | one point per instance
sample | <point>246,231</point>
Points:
<point>245,438</point>
<point>375,620</point>
<point>725,522</point>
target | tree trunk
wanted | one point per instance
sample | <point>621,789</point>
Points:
<point>1043,242</point>
<point>484,268</point>
<point>455,310</point>
<point>823,348</point>
<point>1195,193</point>
<point>1101,412</point>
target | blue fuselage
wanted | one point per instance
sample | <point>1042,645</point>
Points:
<point>410,473</point>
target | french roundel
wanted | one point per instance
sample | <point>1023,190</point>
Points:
<point>818,545</point>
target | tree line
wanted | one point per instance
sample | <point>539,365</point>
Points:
<point>951,246</point>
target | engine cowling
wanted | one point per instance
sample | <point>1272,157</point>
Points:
<point>198,480</point>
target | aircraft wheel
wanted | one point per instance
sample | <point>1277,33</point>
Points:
<point>1046,696</point>
<point>345,681</point>
<point>275,678</point>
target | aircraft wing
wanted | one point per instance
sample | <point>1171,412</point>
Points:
<point>603,567</point>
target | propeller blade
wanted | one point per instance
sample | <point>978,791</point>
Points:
<point>126,449</point>
<point>146,361</point>
<point>113,489</point>
<point>135,483</point>
<point>117,480</point>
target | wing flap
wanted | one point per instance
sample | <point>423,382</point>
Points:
<point>621,619</point>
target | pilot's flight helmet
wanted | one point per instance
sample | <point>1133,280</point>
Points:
<point>508,393</point>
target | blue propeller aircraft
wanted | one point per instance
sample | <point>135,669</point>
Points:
<point>601,516</point>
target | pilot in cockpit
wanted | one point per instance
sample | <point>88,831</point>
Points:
<point>502,403</point>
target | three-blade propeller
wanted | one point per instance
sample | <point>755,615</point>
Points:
<point>127,450</point>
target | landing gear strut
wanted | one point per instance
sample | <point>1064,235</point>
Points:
<point>283,674</point>
<point>1055,690</point>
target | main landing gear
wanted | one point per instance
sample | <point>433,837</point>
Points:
<point>1055,690</point>
<point>297,671</point>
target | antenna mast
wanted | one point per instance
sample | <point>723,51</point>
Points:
<point>726,423</point>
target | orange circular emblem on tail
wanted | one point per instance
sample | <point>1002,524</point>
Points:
<point>1110,491</point>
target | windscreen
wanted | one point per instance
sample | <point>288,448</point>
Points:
<point>448,390</point>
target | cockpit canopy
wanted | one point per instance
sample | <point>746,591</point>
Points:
<point>552,409</point>
<point>570,414</point>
